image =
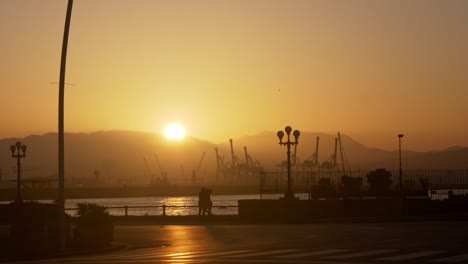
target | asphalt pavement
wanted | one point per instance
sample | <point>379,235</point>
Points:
<point>395,242</point>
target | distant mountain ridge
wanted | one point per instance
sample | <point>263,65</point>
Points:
<point>120,156</point>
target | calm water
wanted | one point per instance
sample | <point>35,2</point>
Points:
<point>218,202</point>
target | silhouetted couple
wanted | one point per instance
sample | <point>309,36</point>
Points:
<point>204,201</point>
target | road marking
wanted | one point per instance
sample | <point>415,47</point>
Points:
<point>419,254</point>
<point>264,253</point>
<point>314,253</point>
<point>187,254</point>
<point>179,254</point>
<point>197,255</point>
<point>135,256</point>
<point>453,259</point>
<point>363,254</point>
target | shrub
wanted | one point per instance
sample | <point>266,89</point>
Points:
<point>325,188</point>
<point>379,182</point>
<point>94,227</point>
<point>350,186</point>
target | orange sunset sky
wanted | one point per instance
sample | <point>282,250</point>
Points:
<point>370,69</point>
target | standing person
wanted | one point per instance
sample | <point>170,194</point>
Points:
<point>201,201</point>
<point>209,203</point>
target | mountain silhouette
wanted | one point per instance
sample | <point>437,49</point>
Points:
<point>120,157</point>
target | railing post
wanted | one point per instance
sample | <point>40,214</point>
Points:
<point>164,210</point>
<point>126,210</point>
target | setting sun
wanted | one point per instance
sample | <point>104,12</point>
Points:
<point>174,131</point>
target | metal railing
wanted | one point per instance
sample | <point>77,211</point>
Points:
<point>316,184</point>
<point>163,210</point>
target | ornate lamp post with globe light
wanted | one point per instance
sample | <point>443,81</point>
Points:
<point>15,153</point>
<point>289,193</point>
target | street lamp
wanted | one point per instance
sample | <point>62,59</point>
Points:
<point>289,194</point>
<point>61,130</point>
<point>400,171</point>
<point>15,153</point>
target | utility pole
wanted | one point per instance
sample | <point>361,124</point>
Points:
<point>61,132</point>
<point>400,170</point>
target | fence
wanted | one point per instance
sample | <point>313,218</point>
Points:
<point>162,210</point>
<point>323,184</point>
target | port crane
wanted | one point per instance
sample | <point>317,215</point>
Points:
<point>235,170</point>
<point>220,165</point>
<point>248,160</point>
<point>150,172</point>
<point>330,163</point>
<point>234,159</point>
<point>196,171</point>
<point>313,162</point>
<point>163,174</point>
<point>344,159</point>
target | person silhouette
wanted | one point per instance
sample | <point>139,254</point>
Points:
<point>201,202</point>
<point>209,203</point>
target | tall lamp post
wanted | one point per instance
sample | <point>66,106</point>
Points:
<point>289,193</point>
<point>401,170</point>
<point>61,130</point>
<point>15,153</point>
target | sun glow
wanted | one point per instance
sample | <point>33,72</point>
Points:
<point>174,131</point>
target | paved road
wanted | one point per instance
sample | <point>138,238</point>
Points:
<point>422,242</point>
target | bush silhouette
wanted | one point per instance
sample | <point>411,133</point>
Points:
<point>325,188</point>
<point>94,227</point>
<point>379,182</point>
<point>350,186</point>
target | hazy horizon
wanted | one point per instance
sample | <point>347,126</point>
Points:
<point>395,148</point>
<point>224,69</point>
